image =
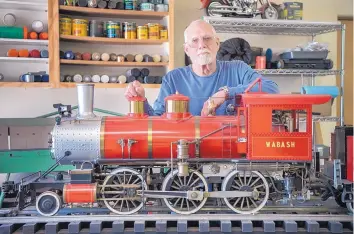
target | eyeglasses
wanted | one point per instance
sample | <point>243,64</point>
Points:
<point>206,40</point>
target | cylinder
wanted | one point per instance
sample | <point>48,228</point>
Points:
<point>182,149</point>
<point>96,28</point>
<point>154,31</point>
<point>85,96</point>
<point>65,25</point>
<point>79,27</point>
<point>142,32</point>
<point>136,106</point>
<point>183,168</point>
<point>80,193</point>
<point>111,29</point>
<point>92,3</point>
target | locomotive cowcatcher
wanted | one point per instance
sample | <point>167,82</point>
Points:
<point>260,153</point>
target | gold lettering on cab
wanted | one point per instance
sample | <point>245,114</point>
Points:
<point>280,144</point>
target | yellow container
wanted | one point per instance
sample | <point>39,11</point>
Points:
<point>79,27</point>
<point>65,26</point>
<point>142,32</point>
<point>154,32</point>
<point>164,34</point>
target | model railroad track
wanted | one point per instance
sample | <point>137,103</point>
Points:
<point>201,223</point>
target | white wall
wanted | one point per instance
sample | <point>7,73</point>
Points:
<point>32,102</point>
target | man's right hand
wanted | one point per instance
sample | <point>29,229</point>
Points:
<point>134,89</point>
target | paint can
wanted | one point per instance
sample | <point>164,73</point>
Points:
<point>44,54</point>
<point>65,26</point>
<point>77,78</point>
<point>147,7</point>
<point>104,79</point>
<point>154,31</point>
<point>113,57</point>
<point>87,78</point>
<point>120,58</point>
<point>127,30</point>
<point>119,30</point>
<point>163,34</point>
<point>96,28</point>
<point>130,4</point>
<point>113,79</point>
<point>79,27</point>
<point>111,29</point>
<point>133,32</point>
<point>142,32</point>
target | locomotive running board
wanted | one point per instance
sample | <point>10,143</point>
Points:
<point>166,224</point>
<point>195,195</point>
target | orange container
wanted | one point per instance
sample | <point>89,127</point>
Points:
<point>43,36</point>
<point>23,53</point>
<point>80,193</point>
<point>260,62</point>
<point>33,35</point>
<point>12,53</point>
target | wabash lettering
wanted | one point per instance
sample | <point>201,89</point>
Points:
<point>280,144</point>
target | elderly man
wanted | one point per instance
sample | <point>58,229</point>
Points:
<point>206,78</point>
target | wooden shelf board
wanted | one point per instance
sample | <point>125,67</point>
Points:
<point>112,63</point>
<point>10,41</point>
<point>111,40</point>
<point>111,12</point>
<point>25,84</point>
<point>24,5</point>
<point>24,60</point>
<point>107,85</point>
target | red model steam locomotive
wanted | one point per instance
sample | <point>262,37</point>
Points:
<point>260,154</point>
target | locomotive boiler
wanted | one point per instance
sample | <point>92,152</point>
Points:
<point>259,154</point>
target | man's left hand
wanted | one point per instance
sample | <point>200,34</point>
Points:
<point>217,99</point>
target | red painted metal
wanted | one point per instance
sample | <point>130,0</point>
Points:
<point>80,193</point>
<point>350,160</point>
<point>284,99</point>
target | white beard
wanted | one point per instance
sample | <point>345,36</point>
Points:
<point>204,59</point>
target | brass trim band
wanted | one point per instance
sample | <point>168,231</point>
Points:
<point>136,107</point>
<point>150,138</point>
<point>102,133</point>
<point>173,106</point>
<point>197,127</point>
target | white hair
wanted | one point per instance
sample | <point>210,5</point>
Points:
<point>197,21</point>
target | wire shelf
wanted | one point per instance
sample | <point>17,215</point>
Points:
<point>271,27</point>
<point>307,72</point>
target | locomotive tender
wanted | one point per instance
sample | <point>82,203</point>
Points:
<point>262,152</point>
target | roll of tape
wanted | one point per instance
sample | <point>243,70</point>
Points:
<point>120,58</point>
<point>130,57</point>
<point>105,57</point>
<point>86,56</point>
<point>164,58</point>
<point>330,90</point>
<point>37,26</point>
<point>139,58</point>
<point>113,57</point>
<point>44,54</point>
<point>148,58</point>
<point>149,79</point>
<point>78,56</point>
<point>131,79</point>
<point>122,79</point>
<point>145,72</point>
<point>96,56</point>
<point>9,19</point>
<point>158,79</point>
<point>77,78</point>
<point>35,53</point>
<point>113,79</point>
<point>156,58</point>
<point>68,78</point>
<point>87,78</point>
<point>69,55</point>
<point>96,78</point>
<point>104,79</point>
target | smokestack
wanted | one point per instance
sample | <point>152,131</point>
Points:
<point>85,96</point>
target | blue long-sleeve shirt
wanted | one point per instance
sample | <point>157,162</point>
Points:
<point>236,75</point>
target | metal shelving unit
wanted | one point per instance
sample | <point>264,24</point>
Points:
<point>291,28</point>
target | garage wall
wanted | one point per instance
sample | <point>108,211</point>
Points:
<point>32,102</point>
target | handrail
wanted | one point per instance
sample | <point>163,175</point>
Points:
<point>75,107</point>
<point>258,80</point>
